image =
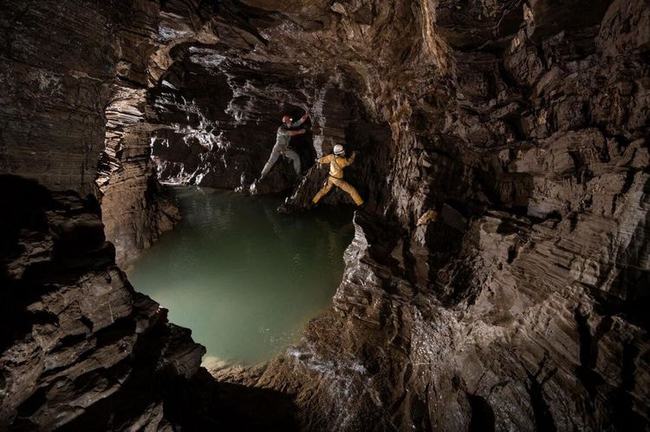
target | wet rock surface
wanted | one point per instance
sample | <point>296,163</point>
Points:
<point>498,276</point>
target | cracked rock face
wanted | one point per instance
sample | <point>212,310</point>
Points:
<point>76,336</point>
<point>498,276</point>
<point>81,350</point>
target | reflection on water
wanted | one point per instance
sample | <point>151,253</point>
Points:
<point>244,278</point>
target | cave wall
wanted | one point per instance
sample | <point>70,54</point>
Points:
<point>80,349</point>
<point>57,65</point>
<point>134,209</point>
<point>502,288</point>
<point>498,276</point>
<point>210,136</point>
<point>75,113</point>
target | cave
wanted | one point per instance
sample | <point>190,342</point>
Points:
<point>496,276</point>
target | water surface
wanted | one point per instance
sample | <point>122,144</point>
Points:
<point>244,278</point>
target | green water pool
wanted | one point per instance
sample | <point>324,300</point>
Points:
<point>244,278</point>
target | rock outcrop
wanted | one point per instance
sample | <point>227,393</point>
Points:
<point>76,338</point>
<point>81,350</point>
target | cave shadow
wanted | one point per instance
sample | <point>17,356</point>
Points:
<point>197,403</point>
<point>369,170</point>
<point>627,297</point>
<point>23,202</point>
<point>482,418</point>
<point>629,292</point>
<point>204,403</point>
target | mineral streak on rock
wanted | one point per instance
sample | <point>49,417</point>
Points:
<point>498,279</point>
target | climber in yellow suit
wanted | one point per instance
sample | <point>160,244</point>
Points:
<point>337,162</point>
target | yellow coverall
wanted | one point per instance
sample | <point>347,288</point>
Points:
<point>337,163</point>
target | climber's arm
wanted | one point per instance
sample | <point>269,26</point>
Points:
<point>300,121</point>
<point>325,159</point>
<point>296,132</point>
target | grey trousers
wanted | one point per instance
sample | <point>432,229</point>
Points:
<point>275,155</point>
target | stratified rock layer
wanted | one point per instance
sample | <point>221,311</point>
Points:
<point>498,277</point>
<point>56,70</point>
<point>81,350</point>
<point>76,336</point>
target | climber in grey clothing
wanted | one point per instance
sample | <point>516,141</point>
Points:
<point>281,147</point>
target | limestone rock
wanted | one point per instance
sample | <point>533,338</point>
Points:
<point>73,327</point>
<point>523,125</point>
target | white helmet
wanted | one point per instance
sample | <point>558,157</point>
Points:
<point>339,150</point>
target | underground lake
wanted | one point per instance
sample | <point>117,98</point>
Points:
<point>244,278</point>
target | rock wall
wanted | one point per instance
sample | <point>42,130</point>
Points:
<point>81,350</point>
<point>132,206</point>
<point>209,136</point>
<point>498,276</point>
<point>56,69</point>
<point>77,339</point>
